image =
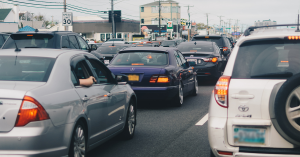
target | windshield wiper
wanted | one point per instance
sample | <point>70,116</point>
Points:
<point>274,75</point>
<point>32,47</point>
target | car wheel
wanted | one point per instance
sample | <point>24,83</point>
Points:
<point>285,109</point>
<point>129,128</point>
<point>78,141</point>
<point>195,90</point>
<point>178,101</point>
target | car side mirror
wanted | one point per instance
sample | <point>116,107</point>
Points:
<point>93,47</point>
<point>121,79</point>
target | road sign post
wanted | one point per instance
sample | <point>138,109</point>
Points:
<point>170,27</point>
<point>67,19</point>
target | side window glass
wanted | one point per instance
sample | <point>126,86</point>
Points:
<point>1,41</point>
<point>73,78</point>
<point>102,75</point>
<point>73,42</point>
<point>82,70</point>
<point>82,43</point>
<point>65,42</point>
<point>181,57</point>
<point>5,37</point>
<point>179,63</point>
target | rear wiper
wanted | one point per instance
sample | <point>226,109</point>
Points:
<point>32,47</point>
<point>274,75</point>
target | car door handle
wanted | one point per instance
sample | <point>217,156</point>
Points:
<point>109,94</point>
<point>85,99</point>
<point>242,96</point>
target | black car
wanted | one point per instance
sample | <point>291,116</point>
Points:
<point>52,40</point>
<point>156,73</point>
<point>145,45</point>
<point>205,56</point>
<point>232,41</point>
<point>3,37</point>
<point>168,43</point>
<point>106,52</point>
<point>221,40</point>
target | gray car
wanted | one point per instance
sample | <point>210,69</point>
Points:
<point>44,111</point>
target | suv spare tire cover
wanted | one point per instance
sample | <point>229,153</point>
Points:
<point>283,98</point>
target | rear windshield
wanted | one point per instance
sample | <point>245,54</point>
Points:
<point>267,59</point>
<point>110,49</point>
<point>168,43</point>
<point>195,48</point>
<point>18,68</point>
<point>141,59</point>
<point>217,40</point>
<point>29,41</point>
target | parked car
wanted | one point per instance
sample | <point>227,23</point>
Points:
<point>3,38</point>
<point>158,74</point>
<point>168,43</point>
<point>221,40</point>
<point>206,58</point>
<point>254,107</point>
<point>45,112</point>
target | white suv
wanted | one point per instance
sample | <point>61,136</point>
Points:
<point>254,109</point>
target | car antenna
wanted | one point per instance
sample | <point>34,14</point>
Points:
<point>298,23</point>
<point>17,49</point>
<point>113,43</point>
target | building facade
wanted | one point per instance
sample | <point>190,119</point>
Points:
<point>265,23</point>
<point>149,18</point>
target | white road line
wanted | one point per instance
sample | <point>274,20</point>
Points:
<point>203,120</point>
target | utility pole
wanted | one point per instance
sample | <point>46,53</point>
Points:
<point>159,7</point>
<point>113,19</point>
<point>220,22</point>
<point>207,28</point>
<point>229,24</point>
<point>65,10</point>
<point>52,21</point>
<point>32,19</point>
<point>189,31</point>
<point>177,22</point>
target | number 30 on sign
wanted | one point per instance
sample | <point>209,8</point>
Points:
<point>67,19</point>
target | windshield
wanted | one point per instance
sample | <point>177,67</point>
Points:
<point>36,69</point>
<point>29,41</point>
<point>110,49</point>
<point>217,40</point>
<point>141,58</point>
<point>267,59</point>
<point>195,48</point>
<point>168,43</point>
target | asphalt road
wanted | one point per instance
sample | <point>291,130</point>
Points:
<point>165,131</point>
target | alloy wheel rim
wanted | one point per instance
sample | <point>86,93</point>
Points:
<point>292,110</point>
<point>131,119</point>
<point>180,94</point>
<point>79,142</point>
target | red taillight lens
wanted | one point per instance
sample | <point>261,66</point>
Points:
<point>225,153</point>
<point>214,59</point>
<point>225,48</point>
<point>159,79</point>
<point>30,110</point>
<point>221,91</point>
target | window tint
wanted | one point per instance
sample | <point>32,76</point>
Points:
<point>5,37</point>
<point>267,59</point>
<point>103,76</point>
<point>35,69</point>
<point>1,41</point>
<point>177,57</point>
<point>73,42</point>
<point>82,43</point>
<point>73,78</point>
<point>65,42</point>
<point>82,70</point>
<point>181,57</point>
<point>141,59</point>
<point>195,48</point>
<point>217,40</point>
<point>29,41</point>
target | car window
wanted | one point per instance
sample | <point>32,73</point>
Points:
<point>177,57</point>
<point>146,58</point>
<point>267,59</point>
<point>73,78</point>
<point>183,60</point>
<point>82,70</point>
<point>5,37</point>
<point>36,69</point>
<point>1,40</point>
<point>217,40</point>
<point>73,42</point>
<point>83,45</point>
<point>65,43</point>
<point>102,75</point>
<point>195,48</point>
<point>29,41</point>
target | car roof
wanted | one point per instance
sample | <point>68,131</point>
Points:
<point>166,49</point>
<point>209,36</point>
<point>197,42</point>
<point>37,52</point>
<point>45,32</point>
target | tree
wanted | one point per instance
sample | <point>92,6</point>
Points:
<point>201,26</point>
<point>41,17</point>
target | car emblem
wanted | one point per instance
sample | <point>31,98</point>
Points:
<point>243,108</point>
<point>132,69</point>
<point>191,55</point>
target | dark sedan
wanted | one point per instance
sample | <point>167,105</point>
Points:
<point>205,57</point>
<point>156,73</point>
<point>168,43</point>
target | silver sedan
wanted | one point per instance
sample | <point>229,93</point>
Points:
<point>45,112</point>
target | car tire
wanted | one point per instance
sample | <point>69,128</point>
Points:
<point>283,108</point>
<point>78,143</point>
<point>178,100</point>
<point>195,90</point>
<point>129,128</point>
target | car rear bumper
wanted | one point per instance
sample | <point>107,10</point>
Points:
<point>155,93</point>
<point>36,139</point>
<point>207,71</point>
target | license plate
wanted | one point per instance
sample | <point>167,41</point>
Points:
<point>244,135</point>
<point>106,61</point>
<point>133,77</point>
<point>192,60</point>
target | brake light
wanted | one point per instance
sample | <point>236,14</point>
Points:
<point>29,35</point>
<point>221,91</point>
<point>159,79</point>
<point>225,48</point>
<point>214,59</point>
<point>30,110</point>
<point>293,37</point>
<point>225,153</point>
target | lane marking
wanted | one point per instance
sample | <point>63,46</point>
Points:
<point>203,120</point>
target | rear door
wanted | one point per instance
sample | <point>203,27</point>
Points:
<point>182,72</point>
<point>188,73</point>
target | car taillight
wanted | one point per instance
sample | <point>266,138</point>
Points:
<point>214,59</point>
<point>159,79</point>
<point>221,91</point>
<point>225,48</point>
<point>30,110</point>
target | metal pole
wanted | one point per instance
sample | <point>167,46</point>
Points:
<point>113,19</point>
<point>177,22</point>
<point>65,10</point>
<point>32,19</point>
<point>171,20</point>
<point>159,32</point>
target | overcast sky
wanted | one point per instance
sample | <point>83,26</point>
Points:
<point>246,11</point>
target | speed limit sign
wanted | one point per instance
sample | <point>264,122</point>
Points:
<point>67,19</point>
